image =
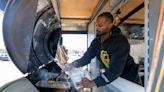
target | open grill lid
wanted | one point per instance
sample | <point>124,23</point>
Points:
<point>30,39</point>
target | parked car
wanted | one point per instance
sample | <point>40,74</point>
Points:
<point>4,56</point>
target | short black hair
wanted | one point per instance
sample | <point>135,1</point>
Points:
<point>107,15</point>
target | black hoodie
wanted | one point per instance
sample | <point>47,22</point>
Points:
<point>114,55</point>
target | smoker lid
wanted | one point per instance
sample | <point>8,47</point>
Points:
<point>3,4</point>
<point>30,42</point>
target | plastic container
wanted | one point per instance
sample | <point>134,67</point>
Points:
<point>76,76</point>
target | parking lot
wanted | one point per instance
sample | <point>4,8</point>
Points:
<point>9,72</point>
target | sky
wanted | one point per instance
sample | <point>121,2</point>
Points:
<point>1,37</point>
<point>75,41</point>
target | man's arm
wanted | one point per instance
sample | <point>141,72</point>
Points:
<point>118,61</point>
<point>86,58</point>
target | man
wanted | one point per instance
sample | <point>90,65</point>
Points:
<point>112,50</point>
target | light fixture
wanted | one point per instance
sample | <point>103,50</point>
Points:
<point>117,17</point>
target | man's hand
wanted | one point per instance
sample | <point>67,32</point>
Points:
<point>68,67</point>
<point>86,83</point>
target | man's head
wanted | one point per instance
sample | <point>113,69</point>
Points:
<point>104,23</point>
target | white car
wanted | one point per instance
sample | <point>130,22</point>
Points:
<point>4,56</point>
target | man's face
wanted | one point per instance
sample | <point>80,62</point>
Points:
<point>103,26</point>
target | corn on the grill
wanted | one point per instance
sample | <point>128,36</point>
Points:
<point>51,82</point>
